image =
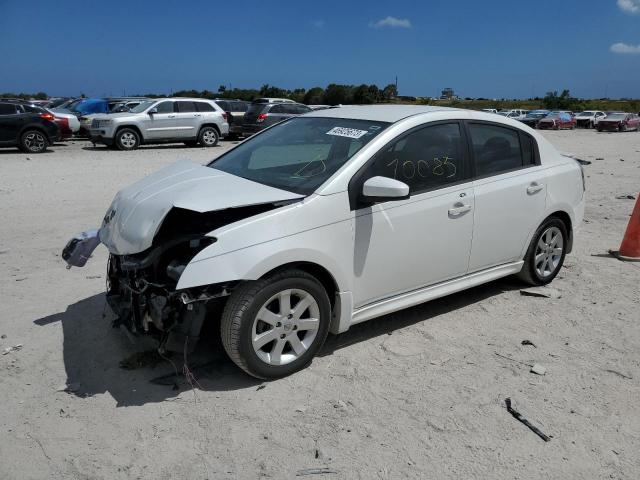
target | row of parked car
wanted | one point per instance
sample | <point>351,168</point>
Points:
<point>128,122</point>
<point>562,119</point>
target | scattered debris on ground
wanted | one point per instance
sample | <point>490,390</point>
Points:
<point>538,369</point>
<point>141,359</point>
<point>625,197</point>
<point>520,418</point>
<point>615,372</point>
<point>528,342</point>
<point>316,471</point>
<point>15,348</point>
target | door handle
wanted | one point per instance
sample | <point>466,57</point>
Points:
<point>535,187</point>
<point>458,209</point>
<point>197,115</point>
<point>171,116</point>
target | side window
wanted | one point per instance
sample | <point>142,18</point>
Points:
<point>277,109</point>
<point>428,158</point>
<point>496,149</point>
<point>223,105</point>
<point>186,107</point>
<point>165,107</point>
<point>7,109</point>
<point>204,107</point>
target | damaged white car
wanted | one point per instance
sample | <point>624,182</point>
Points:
<point>330,219</point>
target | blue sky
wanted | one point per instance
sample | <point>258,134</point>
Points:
<point>481,48</point>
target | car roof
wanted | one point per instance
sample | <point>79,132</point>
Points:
<point>378,113</point>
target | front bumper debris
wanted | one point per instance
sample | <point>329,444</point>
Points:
<point>79,249</point>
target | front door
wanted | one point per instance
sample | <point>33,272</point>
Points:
<point>163,123</point>
<point>510,194</point>
<point>404,245</point>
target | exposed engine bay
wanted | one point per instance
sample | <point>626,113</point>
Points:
<point>141,287</point>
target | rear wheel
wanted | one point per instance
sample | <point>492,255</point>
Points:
<point>273,327</point>
<point>546,253</point>
<point>127,139</point>
<point>208,137</point>
<point>33,141</point>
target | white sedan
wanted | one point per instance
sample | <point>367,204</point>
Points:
<point>331,219</point>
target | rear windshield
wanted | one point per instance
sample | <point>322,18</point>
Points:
<point>299,155</point>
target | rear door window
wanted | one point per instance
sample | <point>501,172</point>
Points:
<point>186,107</point>
<point>499,149</point>
<point>223,105</point>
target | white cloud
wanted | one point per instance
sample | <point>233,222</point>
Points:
<point>631,6</point>
<point>318,23</point>
<point>625,48</point>
<point>391,22</point>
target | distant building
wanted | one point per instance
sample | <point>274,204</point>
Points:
<point>448,94</point>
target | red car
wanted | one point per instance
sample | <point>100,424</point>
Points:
<point>557,121</point>
<point>619,122</point>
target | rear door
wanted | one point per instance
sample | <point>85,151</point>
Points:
<point>510,193</point>
<point>162,124</point>
<point>188,119</point>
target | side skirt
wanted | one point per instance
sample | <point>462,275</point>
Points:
<point>415,297</point>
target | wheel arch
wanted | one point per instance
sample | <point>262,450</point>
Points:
<point>33,126</point>
<point>209,124</point>
<point>131,127</point>
<point>566,219</point>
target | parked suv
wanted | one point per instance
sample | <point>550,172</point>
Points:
<point>31,132</point>
<point>189,120</point>
<point>235,110</point>
<point>262,115</point>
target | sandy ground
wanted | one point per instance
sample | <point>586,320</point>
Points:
<point>417,394</point>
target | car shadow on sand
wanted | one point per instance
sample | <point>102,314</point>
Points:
<point>100,359</point>
<point>167,146</point>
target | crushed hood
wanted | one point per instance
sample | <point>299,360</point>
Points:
<point>137,211</point>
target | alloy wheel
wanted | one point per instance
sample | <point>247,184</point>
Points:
<point>209,137</point>
<point>34,142</point>
<point>548,252</point>
<point>285,327</point>
<point>128,140</point>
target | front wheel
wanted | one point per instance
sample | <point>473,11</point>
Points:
<point>208,137</point>
<point>273,327</point>
<point>33,141</point>
<point>546,253</point>
<point>127,139</point>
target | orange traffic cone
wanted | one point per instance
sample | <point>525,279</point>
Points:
<point>630,248</point>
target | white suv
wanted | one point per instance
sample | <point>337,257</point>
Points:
<point>192,121</point>
<point>330,219</point>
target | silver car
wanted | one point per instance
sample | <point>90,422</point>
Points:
<point>193,121</point>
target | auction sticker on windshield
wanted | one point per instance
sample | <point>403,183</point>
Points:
<point>347,132</point>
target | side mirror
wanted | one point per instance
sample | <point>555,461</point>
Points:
<point>153,110</point>
<point>381,189</point>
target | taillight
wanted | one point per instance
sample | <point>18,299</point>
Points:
<point>225,116</point>
<point>261,118</point>
<point>47,116</point>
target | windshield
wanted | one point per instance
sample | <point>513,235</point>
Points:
<point>616,116</point>
<point>299,155</point>
<point>142,107</point>
<point>537,114</point>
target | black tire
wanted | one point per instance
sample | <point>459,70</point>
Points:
<point>33,141</point>
<point>127,139</point>
<point>208,137</point>
<point>529,273</point>
<point>236,326</point>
